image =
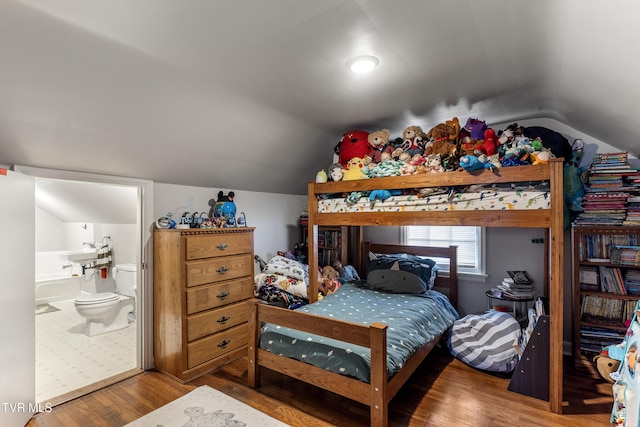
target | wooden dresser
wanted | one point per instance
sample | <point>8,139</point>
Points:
<point>202,279</point>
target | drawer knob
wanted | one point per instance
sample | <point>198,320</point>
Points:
<point>223,295</point>
<point>222,246</point>
<point>223,320</point>
<point>224,343</point>
<point>222,270</point>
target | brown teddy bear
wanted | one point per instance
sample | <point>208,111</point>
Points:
<point>414,140</point>
<point>443,138</point>
<point>380,146</point>
<point>448,131</point>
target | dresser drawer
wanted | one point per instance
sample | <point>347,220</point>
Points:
<point>208,246</point>
<point>219,294</point>
<point>210,270</point>
<point>212,321</point>
<point>216,345</point>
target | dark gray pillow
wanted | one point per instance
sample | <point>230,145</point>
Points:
<point>396,281</point>
<point>425,268</point>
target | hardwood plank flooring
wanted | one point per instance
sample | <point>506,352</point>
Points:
<point>442,392</point>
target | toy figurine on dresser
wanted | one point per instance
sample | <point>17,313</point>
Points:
<point>223,210</point>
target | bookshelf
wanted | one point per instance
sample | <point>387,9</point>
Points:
<point>605,284</point>
<point>333,243</point>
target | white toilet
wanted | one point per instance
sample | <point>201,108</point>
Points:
<point>108,311</point>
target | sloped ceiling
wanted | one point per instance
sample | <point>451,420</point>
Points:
<point>253,95</point>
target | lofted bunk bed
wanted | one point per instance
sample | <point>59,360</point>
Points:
<point>541,207</point>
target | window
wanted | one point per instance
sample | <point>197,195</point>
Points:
<point>470,242</point>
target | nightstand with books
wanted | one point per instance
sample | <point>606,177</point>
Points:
<point>517,289</point>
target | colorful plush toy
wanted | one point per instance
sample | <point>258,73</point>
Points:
<point>472,163</point>
<point>353,170</point>
<point>382,195</point>
<point>609,359</point>
<point>354,143</point>
<point>541,157</point>
<point>474,128</point>
<point>489,144</point>
<point>551,139</point>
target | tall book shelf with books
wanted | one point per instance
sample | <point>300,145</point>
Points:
<point>333,243</point>
<point>605,285</point>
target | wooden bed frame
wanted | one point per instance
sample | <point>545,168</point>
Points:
<point>379,393</point>
<point>380,390</point>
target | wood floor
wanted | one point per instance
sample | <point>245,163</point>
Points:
<point>442,392</point>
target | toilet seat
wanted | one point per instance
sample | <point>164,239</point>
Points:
<point>97,298</point>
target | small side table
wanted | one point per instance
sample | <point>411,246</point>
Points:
<point>520,305</point>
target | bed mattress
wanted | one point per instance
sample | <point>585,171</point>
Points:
<point>520,196</point>
<point>413,321</point>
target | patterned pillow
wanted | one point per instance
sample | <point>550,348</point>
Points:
<point>287,267</point>
<point>425,268</point>
<point>486,341</point>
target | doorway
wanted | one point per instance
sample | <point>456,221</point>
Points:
<point>77,212</point>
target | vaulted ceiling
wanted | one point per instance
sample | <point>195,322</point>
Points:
<point>253,95</point>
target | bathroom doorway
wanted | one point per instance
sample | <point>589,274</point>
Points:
<point>89,241</point>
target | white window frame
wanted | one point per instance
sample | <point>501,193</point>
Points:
<point>476,272</point>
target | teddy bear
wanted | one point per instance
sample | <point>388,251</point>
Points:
<point>447,131</point>
<point>443,147</point>
<point>379,142</point>
<point>353,170</point>
<point>414,140</point>
<point>328,282</point>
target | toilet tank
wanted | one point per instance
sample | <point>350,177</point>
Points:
<point>125,277</point>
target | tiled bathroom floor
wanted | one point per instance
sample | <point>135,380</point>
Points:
<point>66,359</point>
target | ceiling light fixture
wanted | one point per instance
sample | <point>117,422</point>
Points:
<point>362,64</point>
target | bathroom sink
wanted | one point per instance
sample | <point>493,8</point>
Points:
<point>80,256</point>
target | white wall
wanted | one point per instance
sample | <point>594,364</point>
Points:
<point>275,216</point>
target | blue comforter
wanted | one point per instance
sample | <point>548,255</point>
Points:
<point>413,321</point>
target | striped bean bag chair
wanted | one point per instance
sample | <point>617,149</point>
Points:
<point>486,341</point>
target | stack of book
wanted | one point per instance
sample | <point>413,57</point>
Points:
<point>518,285</point>
<point>589,278</point>
<point>632,282</point>
<point>593,339</point>
<point>625,255</point>
<point>633,207</point>
<point>612,184</point>
<point>602,311</point>
<point>304,218</point>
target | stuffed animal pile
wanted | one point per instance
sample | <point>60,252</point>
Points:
<point>445,147</point>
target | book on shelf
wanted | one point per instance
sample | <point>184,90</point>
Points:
<point>601,310</point>
<point>611,280</point>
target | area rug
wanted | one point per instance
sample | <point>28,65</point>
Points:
<point>45,308</point>
<point>206,407</point>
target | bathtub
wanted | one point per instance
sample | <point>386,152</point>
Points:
<point>57,287</point>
